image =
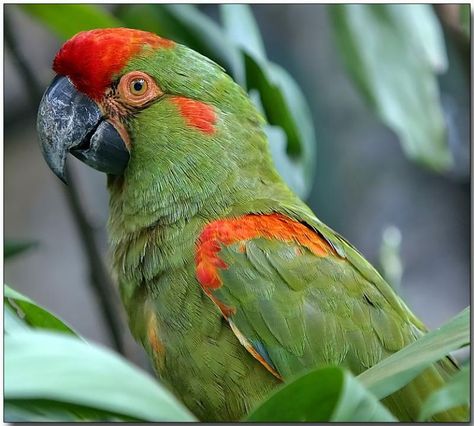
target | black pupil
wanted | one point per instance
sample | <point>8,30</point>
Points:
<point>138,85</point>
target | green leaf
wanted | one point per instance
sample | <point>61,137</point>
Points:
<point>420,24</point>
<point>241,27</point>
<point>465,18</point>
<point>185,24</point>
<point>58,367</point>
<point>454,394</point>
<point>32,314</point>
<point>11,248</point>
<point>285,106</point>
<point>400,368</point>
<point>11,322</point>
<point>394,69</point>
<point>326,394</point>
<point>68,19</point>
<point>290,170</point>
<point>31,410</point>
<point>281,100</point>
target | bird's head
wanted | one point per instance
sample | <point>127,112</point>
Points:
<point>128,102</point>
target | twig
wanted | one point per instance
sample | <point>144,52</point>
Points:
<point>32,86</point>
<point>100,279</point>
<point>99,276</point>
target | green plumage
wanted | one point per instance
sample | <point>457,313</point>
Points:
<point>299,310</point>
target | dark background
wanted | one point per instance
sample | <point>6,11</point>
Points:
<point>363,182</point>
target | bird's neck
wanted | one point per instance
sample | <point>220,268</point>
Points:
<point>178,180</point>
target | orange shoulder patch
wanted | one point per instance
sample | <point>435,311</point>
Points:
<point>229,231</point>
<point>239,230</point>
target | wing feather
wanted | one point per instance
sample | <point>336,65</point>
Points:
<point>295,303</point>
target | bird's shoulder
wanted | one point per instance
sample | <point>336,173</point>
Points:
<point>296,296</point>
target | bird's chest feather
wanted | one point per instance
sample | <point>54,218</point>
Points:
<point>191,347</point>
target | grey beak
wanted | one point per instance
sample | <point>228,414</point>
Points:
<point>69,121</point>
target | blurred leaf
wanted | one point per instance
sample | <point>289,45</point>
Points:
<point>31,410</point>
<point>185,24</point>
<point>389,255</point>
<point>11,248</point>
<point>280,97</point>
<point>22,411</point>
<point>58,367</point>
<point>323,395</point>
<point>465,18</point>
<point>454,394</point>
<point>422,29</point>
<point>400,368</point>
<point>285,106</point>
<point>33,314</point>
<point>11,322</point>
<point>454,84</point>
<point>241,27</point>
<point>291,171</point>
<point>68,19</point>
<point>394,71</point>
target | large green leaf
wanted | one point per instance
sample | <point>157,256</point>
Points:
<point>12,248</point>
<point>41,365</point>
<point>285,106</point>
<point>31,410</point>
<point>419,23</point>
<point>392,52</point>
<point>241,27</point>
<point>281,100</point>
<point>65,20</point>
<point>400,368</point>
<point>31,313</point>
<point>326,394</point>
<point>454,394</point>
<point>11,322</point>
<point>290,170</point>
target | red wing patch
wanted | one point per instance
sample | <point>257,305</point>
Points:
<point>229,231</point>
<point>239,230</point>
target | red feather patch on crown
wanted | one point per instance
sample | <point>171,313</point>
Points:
<point>91,58</point>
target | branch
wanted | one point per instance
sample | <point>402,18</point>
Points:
<point>99,277</point>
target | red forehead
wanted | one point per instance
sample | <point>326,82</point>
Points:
<point>91,58</point>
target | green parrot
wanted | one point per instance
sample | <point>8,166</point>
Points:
<point>230,282</point>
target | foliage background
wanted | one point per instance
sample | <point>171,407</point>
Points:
<point>363,181</point>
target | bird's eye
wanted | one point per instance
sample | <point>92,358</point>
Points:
<point>138,87</point>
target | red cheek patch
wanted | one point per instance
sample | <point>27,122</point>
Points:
<point>197,114</point>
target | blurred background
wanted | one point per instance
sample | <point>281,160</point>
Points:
<point>403,202</point>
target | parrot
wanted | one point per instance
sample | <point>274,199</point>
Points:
<point>229,281</point>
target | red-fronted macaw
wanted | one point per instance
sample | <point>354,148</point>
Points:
<point>230,281</point>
